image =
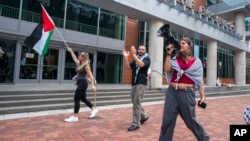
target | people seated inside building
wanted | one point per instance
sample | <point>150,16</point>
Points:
<point>220,83</point>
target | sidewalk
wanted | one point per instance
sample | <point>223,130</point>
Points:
<point>111,123</point>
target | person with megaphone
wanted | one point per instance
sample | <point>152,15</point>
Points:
<point>184,75</point>
<point>165,32</point>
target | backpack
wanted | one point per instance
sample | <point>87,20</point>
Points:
<point>246,115</point>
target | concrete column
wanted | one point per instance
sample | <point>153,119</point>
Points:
<point>240,67</point>
<point>211,63</point>
<point>156,53</point>
<point>240,56</point>
<point>240,24</point>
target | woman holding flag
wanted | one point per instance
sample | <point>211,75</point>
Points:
<point>39,40</point>
<point>83,73</point>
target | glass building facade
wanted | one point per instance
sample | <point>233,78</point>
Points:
<point>247,22</point>
<point>22,64</point>
<point>225,57</point>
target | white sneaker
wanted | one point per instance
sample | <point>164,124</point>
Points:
<point>71,119</point>
<point>93,113</point>
<point>230,85</point>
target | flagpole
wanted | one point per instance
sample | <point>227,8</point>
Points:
<point>95,99</point>
<point>62,37</point>
<point>55,26</point>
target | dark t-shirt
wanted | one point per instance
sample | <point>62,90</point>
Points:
<point>142,74</point>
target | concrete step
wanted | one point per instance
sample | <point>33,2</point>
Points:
<point>30,101</point>
<point>40,100</point>
<point>62,99</point>
<point>52,94</point>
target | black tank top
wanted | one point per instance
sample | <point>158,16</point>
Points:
<point>81,74</point>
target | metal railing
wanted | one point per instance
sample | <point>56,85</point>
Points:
<point>34,17</point>
<point>162,75</point>
<point>10,12</point>
<point>149,78</point>
<point>227,5</point>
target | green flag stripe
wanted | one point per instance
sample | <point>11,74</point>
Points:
<point>46,45</point>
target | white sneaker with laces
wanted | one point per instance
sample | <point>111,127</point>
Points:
<point>93,113</point>
<point>71,119</point>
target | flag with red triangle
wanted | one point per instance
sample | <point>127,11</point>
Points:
<point>40,37</point>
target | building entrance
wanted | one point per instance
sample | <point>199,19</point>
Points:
<point>36,68</point>
<point>7,61</point>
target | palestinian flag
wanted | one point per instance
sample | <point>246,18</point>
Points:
<point>40,37</point>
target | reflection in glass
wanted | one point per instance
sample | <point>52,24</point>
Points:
<point>50,64</point>
<point>81,17</point>
<point>28,64</point>
<point>143,35</point>
<point>7,61</point>
<point>9,8</point>
<point>111,25</point>
<point>109,68</point>
<point>31,10</point>
<point>247,23</point>
<point>69,69</point>
<point>226,57</point>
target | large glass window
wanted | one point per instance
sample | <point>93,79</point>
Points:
<point>143,35</point>
<point>9,8</point>
<point>225,60</point>
<point>211,2</point>
<point>247,23</point>
<point>33,66</point>
<point>200,50</point>
<point>28,64</point>
<point>50,64</point>
<point>81,17</point>
<point>109,68</point>
<point>7,61</point>
<point>111,25</point>
<point>31,10</point>
<point>69,69</point>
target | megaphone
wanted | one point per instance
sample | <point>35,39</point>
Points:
<point>165,32</point>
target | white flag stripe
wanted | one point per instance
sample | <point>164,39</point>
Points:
<point>39,46</point>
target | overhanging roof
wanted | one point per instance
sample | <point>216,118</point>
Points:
<point>230,14</point>
<point>146,10</point>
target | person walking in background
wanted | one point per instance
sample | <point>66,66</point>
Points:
<point>83,73</point>
<point>184,75</point>
<point>219,83</point>
<point>139,66</point>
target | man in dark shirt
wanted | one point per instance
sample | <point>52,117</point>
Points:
<point>139,67</point>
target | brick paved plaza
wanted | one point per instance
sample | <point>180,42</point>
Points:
<point>111,124</point>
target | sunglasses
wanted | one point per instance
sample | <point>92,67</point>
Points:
<point>81,55</point>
